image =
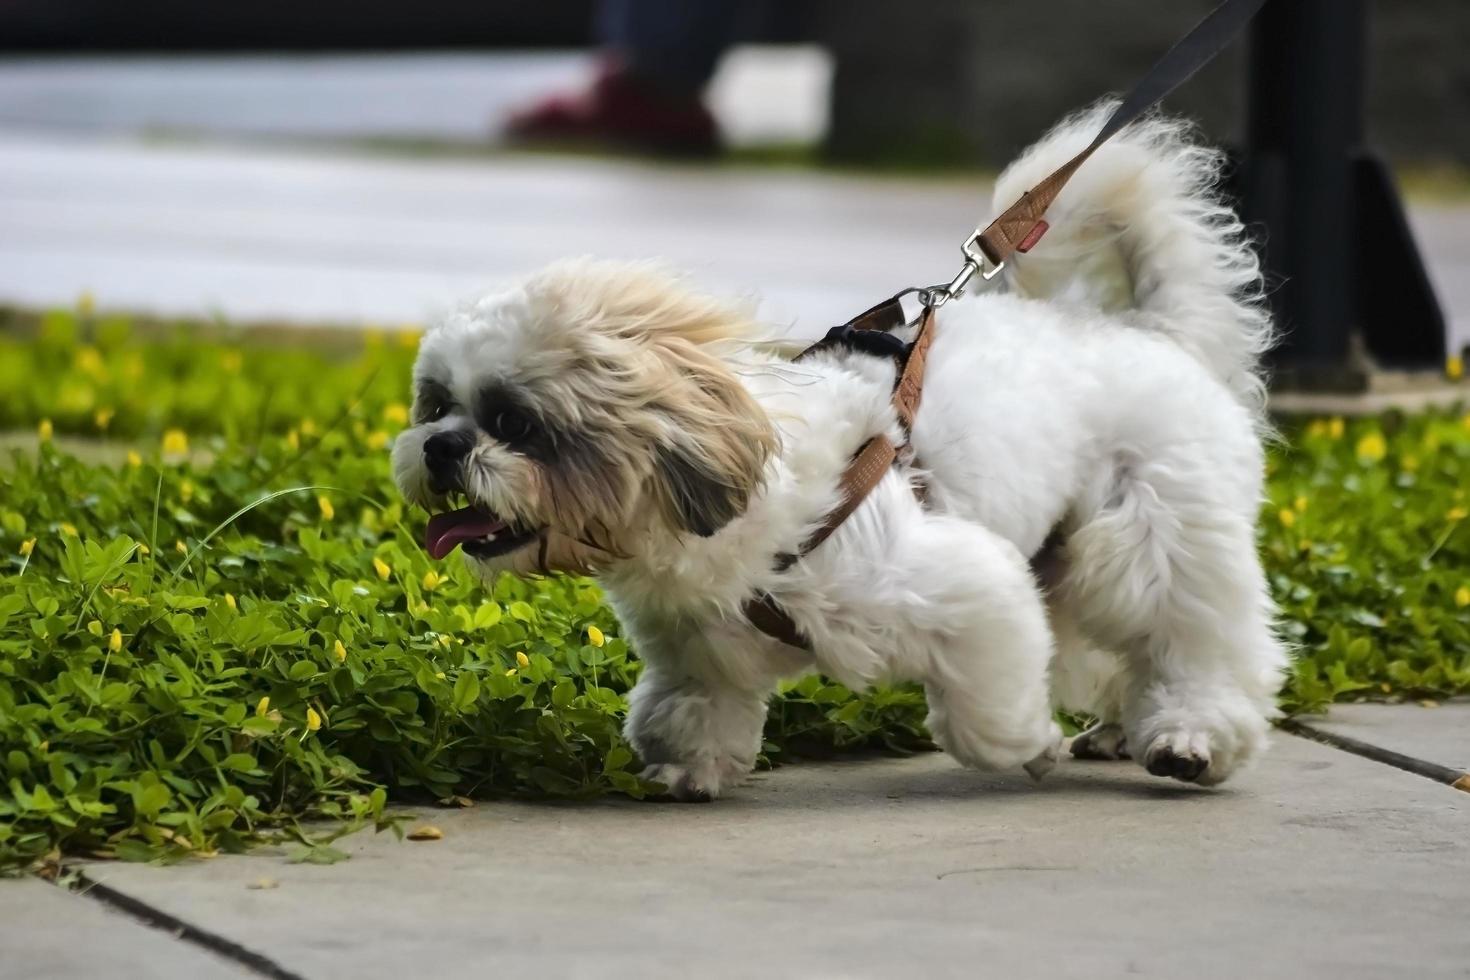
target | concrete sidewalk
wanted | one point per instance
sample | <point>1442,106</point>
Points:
<point>315,237</point>
<point>1315,864</point>
<point>102,190</point>
<point>257,234</point>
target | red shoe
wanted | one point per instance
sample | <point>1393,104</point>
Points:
<point>621,109</point>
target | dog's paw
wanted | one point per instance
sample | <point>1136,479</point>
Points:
<point>1044,763</point>
<point>1178,759</point>
<point>684,784</point>
<point>1198,745</point>
<point>1105,740</point>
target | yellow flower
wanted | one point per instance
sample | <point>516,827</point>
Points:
<point>230,601</point>
<point>510,672</point>
<point>44,431</point>
<point>313,720</point>
<point>114,642</point>
<point>1462,596</point>
<point>339,650</point>
<point>1317,428</point>
<point>175,442</point>
<point>382,568</point>
<point>522,660</point>
<point>27,546</point>
<point>186,490</point>
<point>230,361</point>
<point>1336,427</point>
<point>85,302</point>
<point>408,337</point>
<point>1457,514</point>
<point>134,460</point>
<point>377,440</point>
<point>180,547</point>
<point>439,674</point>
<point>1299,504</point>
<point>308,427</point>
<point>103,418</point>
<point>67,528</point>
<point>397,413</point>
<point>89,361</point>
<point>594,636</point>
<point>1372,448</point>
<point>1454,367</point>
<point>432,580</point>
<point>262,706</point>
<point>293,439</point>
<point>144,550</point>
<point>1287,517</point>
<point>325,506</point>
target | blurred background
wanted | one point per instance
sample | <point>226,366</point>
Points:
<point>320,161</point>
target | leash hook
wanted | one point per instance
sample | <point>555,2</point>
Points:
<point>933,297</point>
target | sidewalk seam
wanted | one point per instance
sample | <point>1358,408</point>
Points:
<point>154,918</point>
<point>1453,778</point>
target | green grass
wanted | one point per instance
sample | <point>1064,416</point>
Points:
<point>216,620</point>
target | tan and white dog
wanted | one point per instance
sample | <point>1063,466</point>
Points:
<point>607,417</point>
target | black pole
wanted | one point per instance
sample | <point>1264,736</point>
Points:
<point>1339,255</point>
<point>1304,124</point>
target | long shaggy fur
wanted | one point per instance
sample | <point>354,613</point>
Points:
<point>1089,443</point>
<point>1142,226</point>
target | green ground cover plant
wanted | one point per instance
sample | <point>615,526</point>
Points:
<point>216,620</point>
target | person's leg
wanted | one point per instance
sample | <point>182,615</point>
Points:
<point>658,57</point>
<point>675,43</point>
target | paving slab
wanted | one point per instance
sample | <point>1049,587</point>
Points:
<point>1440,734</point>
<point>1315,864</point>
<point>47,933</point>
<point>255,234</point>
<point>252,233</point>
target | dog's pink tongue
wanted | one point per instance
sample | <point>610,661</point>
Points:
<point>447,531</point>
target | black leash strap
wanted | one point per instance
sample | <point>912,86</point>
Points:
<point>1020,226</point>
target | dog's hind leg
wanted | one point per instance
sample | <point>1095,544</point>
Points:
<point>1163,568</point>
<point>1087,679</point>
<point>983,649</point>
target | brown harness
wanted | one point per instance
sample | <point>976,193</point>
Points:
<point>1017,229</point>
<point>868,466</point>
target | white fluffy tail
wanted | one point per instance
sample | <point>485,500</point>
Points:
<point>1142,226</point>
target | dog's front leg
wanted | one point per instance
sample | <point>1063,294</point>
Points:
<point>983,644</point>
<point>695,720</point>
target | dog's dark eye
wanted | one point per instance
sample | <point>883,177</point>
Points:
<point>510,425</point>
<point>433,403</point>
<point>432,410</point>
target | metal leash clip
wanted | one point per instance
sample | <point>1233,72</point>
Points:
<point>933,297</point>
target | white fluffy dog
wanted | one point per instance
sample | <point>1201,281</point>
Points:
<point>1090,443</point>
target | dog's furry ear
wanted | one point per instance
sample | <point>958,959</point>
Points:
<point>718,440</point>
<point>694,498</point>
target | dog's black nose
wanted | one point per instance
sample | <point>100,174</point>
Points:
<point>444,452</point>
